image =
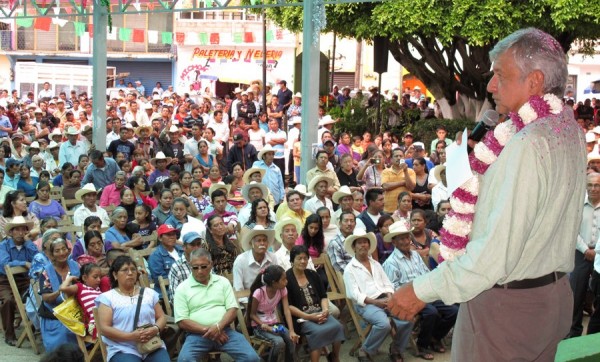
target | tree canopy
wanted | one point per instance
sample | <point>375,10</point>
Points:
<point>445,43</point>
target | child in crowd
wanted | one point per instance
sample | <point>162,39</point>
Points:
<point>266,292</point>
<point>86,293</point>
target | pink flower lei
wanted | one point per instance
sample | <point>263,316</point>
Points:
<point>457,225</point>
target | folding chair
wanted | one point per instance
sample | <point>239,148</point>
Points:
<point>164,283</point>
<point>151,239</point>
<point>70,204</point>
<point>99,335</point>
<point>25,322</point>
<point>56,193</point>
<point>89,354</point>
<point>362,327</point>
<point>259,344</point>
<point>70,231</point>
<point>138,258</point>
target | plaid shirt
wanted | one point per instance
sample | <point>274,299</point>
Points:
<point>180,271</point>
<point>338,255</point>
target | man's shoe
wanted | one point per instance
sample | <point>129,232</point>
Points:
<point>10,341</point>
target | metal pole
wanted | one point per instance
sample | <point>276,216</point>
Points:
<point>333,62</point>
<point>310,90</point>
<point>379,104</point>
<point>264,70</point>
<point>100,19</point>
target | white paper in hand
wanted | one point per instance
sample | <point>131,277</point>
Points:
<point>458,169</point>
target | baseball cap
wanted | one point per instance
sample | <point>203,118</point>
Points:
<point>11,162</point>
<point>329,141</point>
<point>191,237</point>
<point>165,229</point>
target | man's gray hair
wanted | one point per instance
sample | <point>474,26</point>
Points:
<point>200,253</point>
<point>533,50</point>
<point>121,173</point>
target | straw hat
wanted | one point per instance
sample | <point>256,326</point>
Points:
<point>298,95</point>
<point>397,228</point>
<point>341,193</point>
<point>72,131</point>
<point>34,144</point>
<point>173,129</point>
<point>87,129</point>
<point>316,180</point>
<point>247,187</point>
<point>249,172</point>
<point>295,120</point>
<point>265,149</point>
<point>285,222</point>
<point>219,186</point>
<point>53,145</point>
<point>138,130</point>
<point>87,189</point>
<point>258,230</point>
<point>360,234</point>
<point>326,120</point>
<point>301,188</point>
<point>55,132</point>
<point>437,172</point>
<point>160,156</point>
<point>18,221</point>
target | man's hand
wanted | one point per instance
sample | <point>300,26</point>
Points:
<point>405,304</point>
<point>212,333</point>
<point>589,255</point>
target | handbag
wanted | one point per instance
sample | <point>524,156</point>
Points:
<point>155,342</point>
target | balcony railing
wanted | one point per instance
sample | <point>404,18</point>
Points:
<point>29,39</point>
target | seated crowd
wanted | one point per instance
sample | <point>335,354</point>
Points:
<point>169,200</point>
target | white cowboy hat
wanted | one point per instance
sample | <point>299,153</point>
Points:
<point>283,223</point>
<point>238,90</point>
<point>156,97</point>
<point>55,132</point>
<point>219,186</point>
<point>258,230</point>
<point>160,156</point>
<point>87,189</point>
<point>265,149</point>
<point>38,110</point>
<point>397,228</point>
<point>590,137</point>
<point>123,105</point>
<point>301,188</point>
<point>298,95</point>
<point>72,131</point>
<point>53,145</point>
<point>247,187</point>
<point>173,129</point>
<point>316,180</point>
<point>295,120</point>
<point>437,172</point>
<point>326,120</point>
<point>34,144</point>
<point>249,172</point>
<point>360,234</point>
<point>18,221</point>
<point>147,105</point>
<point>594,155</point>
<point>341,193</point>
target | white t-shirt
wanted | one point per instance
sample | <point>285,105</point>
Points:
<point>256,138</point>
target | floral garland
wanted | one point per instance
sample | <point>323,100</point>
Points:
<point>458,223</point>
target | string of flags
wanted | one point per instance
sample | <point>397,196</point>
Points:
<point>138,35</point>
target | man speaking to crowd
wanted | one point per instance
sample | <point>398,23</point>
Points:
<point>516,300</point>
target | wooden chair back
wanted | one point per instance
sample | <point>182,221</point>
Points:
<point>138,258</point>
<point>89,354</point>
<point>27,331</point>
<point>325,263</point>
<point>99,335</point>
<point>70,204</point>
<point>164,283</point>
<point>151,240</point>
<point>362,327</point>
<point>56,193</point>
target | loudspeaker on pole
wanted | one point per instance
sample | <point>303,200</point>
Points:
<point>380,54</point>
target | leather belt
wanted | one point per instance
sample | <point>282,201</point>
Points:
<point>532,283</point>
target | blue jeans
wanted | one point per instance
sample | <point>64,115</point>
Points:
<point>380,321</point>
<point>159,355</point>
<point>196,347</point>
<point>281,342</point>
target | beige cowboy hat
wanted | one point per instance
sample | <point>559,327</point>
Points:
<point>53,145</point>
<point>298,95</point>
<point>341,193</point>
<point>295,120</point>
<point>34,144</point>
<point>326,120</point>
<point>72,131</point>
<point>249,172</point>
<point>265,149</point>
<point>147,106</point>
<point>258,230</point>
<point>55,132</point>
<point>247,187</point>
<point>437,172</point>
<point>397,228</point>
<point>219,186</point>
<point>316,180</point>
<point>285,222</point>
<point>301,188</point>
<point>138,130</point>
<point>174,129</point>
<point>18,221</point>
<point>360,234</point>
<point>160,156</point>
<point>87,189</point>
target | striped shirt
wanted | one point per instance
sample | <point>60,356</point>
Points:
<point>401,269</point>
<point>179,272</point>
<point>86,297</point>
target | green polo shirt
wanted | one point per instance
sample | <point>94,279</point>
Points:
<point>204,304</point>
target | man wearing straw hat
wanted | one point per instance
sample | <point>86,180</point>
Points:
<point>369,288</point>
<point>14,251</point>
<point>88,195</point>
<point>344,198</point>
<point>255,257</point>
<point>251,192</point>
<point>273,177</point>
<point>401,267</point>
<point>319,186</point>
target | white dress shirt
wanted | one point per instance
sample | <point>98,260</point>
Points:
<point>360,284</point>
